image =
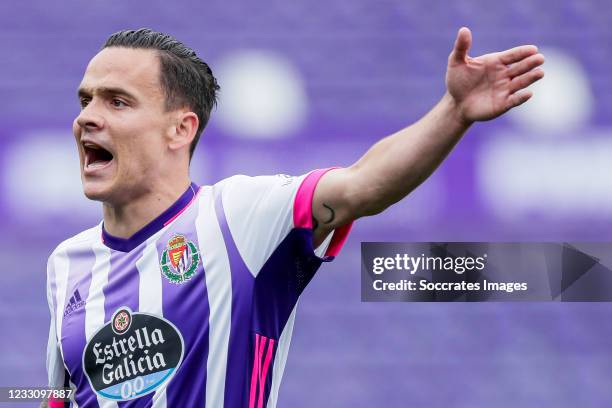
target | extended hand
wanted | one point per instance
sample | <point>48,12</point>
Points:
<point>488,86</point>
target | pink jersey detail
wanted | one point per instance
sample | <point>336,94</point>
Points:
<point>302,211</point>
<point>337,242</point>
<point>184,208</point>
<point>264,374</point>
<point>302,206</point>
<point>259,373</point>
<point>255,372</point>
<point>53,403</point>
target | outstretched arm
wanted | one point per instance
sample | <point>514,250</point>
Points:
<point>478,89</point>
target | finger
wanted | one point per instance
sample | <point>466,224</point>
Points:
<point>523,81</point>
<point>526,65</point>
<point>516,54</point>
<point>463,42</point>
<point>519,98</point>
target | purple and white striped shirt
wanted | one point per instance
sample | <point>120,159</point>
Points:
<point>194,310</point>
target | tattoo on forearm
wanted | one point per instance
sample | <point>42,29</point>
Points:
<point>332,215</point>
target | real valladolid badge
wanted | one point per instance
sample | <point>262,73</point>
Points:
<point>180,260</point>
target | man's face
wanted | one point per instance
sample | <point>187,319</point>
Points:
<point>121,127</point>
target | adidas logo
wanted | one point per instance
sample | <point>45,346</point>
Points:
<point>74,303</point>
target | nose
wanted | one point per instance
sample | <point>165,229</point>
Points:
<point>89,118</point>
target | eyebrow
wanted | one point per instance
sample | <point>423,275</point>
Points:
<point>105,90</point>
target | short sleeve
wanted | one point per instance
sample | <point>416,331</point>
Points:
<point>302,215</point>
<point>262,211</point>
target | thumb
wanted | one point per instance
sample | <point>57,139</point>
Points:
<point>462,45</point>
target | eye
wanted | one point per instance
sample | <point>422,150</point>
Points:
<point>84,102</point>
<point>118,103</point>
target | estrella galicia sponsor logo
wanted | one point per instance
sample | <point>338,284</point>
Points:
<point>122,319</point>
<point>132,355</point>
<point>180,260</point>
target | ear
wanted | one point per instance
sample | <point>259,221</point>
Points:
<point>183,129</point>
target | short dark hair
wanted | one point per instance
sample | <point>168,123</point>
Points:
<point>186,80</point>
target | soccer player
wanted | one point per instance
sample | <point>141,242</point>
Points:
<point>185,295</point>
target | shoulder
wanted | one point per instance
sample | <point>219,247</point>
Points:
<point>246,184</point>
<point>249,195</point>
<point>58,259</point>
<point>86,237</point>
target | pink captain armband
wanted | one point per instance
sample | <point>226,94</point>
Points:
<point>302,211</point>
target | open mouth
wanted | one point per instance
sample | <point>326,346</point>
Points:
<point>96,156</point>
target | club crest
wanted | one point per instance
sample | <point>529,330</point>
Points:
<point>180,260</point>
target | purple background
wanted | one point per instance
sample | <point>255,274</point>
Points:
<point>368,69</point>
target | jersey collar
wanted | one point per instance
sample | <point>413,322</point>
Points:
<point>127,244</point>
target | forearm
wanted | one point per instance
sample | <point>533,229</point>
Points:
<point>486,86</point>
<point>397,164</point>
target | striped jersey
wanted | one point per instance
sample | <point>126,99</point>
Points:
<point>194,310</point>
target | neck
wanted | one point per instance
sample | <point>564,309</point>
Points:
<point>123,220</point>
